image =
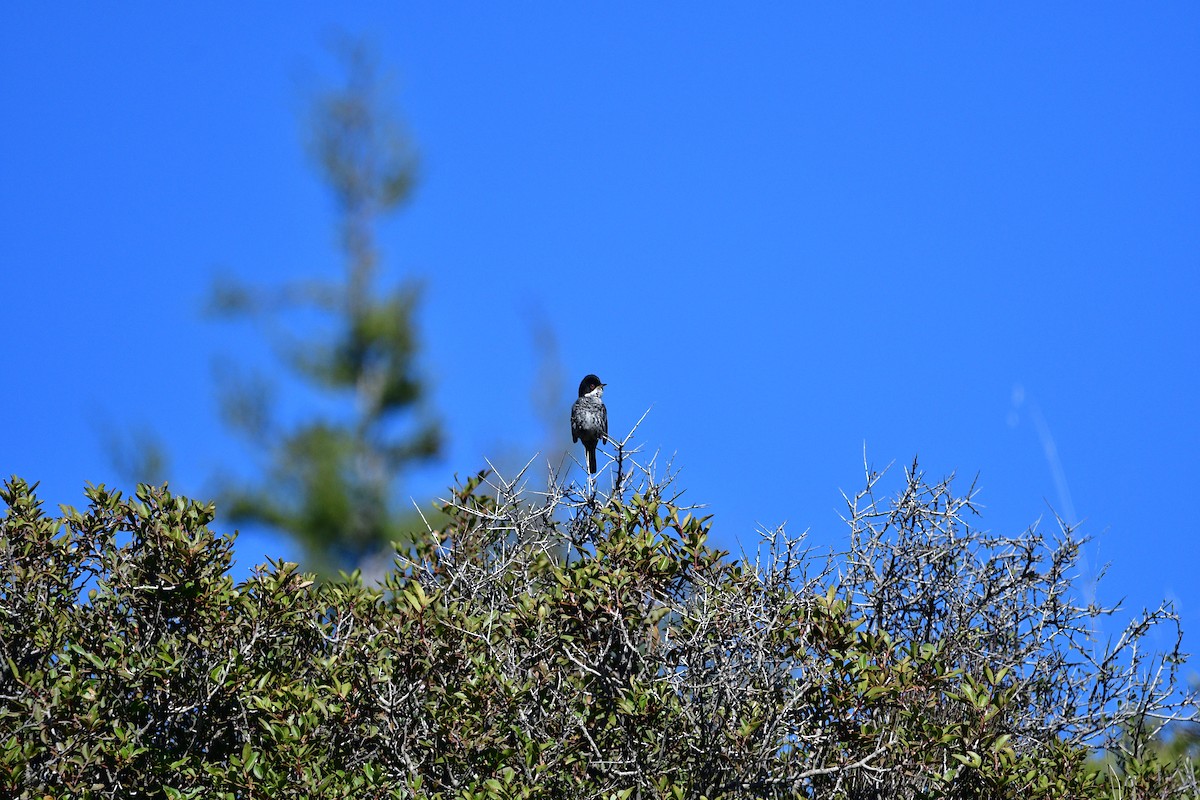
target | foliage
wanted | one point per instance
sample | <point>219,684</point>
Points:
<point>557,645</point>
<point>330,480</point>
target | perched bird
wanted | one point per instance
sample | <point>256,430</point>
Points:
<point>589,418</point>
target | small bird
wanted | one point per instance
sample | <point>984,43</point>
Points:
<point>589,418</point>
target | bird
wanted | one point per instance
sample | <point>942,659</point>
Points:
<point>589,418</point>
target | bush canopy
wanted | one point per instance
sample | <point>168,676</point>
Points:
<point>556,643</point>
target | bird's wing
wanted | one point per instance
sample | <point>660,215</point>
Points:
<point>574,423</point>
<point>604,420</point>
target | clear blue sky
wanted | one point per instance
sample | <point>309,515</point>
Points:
<point>969,234</point>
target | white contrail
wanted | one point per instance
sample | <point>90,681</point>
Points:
<point>1066,505</point>
<point>1050,449</point>
<point>1056,468</point>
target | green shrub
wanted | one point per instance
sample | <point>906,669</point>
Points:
<point>568,647</point>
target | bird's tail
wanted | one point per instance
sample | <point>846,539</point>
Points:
<point>591,459</point>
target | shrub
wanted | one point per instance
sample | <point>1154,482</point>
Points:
<point>559,645</point>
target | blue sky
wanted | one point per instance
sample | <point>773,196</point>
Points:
<point>969,234</point>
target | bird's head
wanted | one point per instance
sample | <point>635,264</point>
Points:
<point>591,386</point>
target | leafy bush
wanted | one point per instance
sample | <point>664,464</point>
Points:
<point>555,645</point>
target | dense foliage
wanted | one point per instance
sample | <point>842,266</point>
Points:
<point>557,645</point>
